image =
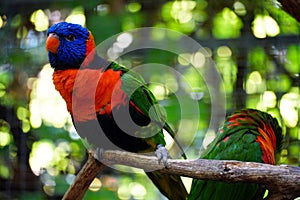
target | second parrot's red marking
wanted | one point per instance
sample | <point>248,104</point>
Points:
<point>88,92</point>
<point>226,138</point>
<point>266,139</point>
<point>233,123</point>
<point>267,142</point>
<point>240,119</point>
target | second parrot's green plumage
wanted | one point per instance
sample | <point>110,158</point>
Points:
<point>249,135</point>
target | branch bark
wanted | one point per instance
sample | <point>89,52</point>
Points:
<point>283,182</point>
<point>83,179</point>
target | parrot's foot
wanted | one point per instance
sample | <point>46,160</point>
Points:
<point>162,154</point>
<point>98,153</point>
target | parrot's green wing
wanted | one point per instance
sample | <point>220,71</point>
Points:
<point>228,147</point>
<point>135,87</point>
<point>239,139</point>
<point>144,101</point>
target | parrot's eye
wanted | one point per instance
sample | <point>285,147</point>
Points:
<point>70,38</point>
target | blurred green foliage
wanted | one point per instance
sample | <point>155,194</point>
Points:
<point>254,46</point>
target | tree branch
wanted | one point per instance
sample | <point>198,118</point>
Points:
<point>283,182</point>
<point>83,179</point>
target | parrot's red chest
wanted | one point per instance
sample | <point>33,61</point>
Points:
<point>89,92</point>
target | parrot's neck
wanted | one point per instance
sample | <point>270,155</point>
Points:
<point>93,61</point>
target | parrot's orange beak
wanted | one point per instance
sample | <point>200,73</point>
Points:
<point>52,43</point>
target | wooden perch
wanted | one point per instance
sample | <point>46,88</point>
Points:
<point>283,182</point>
<point>83,179</point>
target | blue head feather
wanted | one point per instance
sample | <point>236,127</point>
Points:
<point>71,52</point>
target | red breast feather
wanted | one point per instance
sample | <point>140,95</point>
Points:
<point>89,91</point>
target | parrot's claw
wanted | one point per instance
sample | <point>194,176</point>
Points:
<point>162,154</point>
<point>98,153</point>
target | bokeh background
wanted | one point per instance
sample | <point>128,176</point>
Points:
<point>254,44</point>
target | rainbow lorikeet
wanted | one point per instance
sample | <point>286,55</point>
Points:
<point>248,135</point>
<point>104,97</point>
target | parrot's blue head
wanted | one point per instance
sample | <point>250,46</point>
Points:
<point>68,44</point>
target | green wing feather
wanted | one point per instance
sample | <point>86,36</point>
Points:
<point>235,148</point>
<point>236,140</point>
<point>135,87</point>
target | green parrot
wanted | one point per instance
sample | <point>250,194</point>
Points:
<point>248,135</point>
